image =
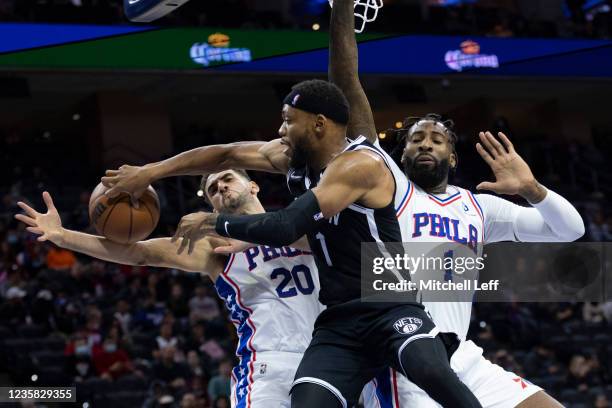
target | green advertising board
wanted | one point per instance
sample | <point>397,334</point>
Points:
<point>168,49</point>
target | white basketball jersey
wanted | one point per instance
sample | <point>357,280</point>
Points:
<point>272,297</point>
<point>455,216</point>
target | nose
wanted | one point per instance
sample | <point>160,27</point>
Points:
<point>425,145</point>
<point>282,131</point>
<point>222,186</point>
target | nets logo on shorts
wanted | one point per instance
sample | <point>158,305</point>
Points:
<point>408,325</point>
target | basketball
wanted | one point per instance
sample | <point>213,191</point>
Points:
<point>118,220</point>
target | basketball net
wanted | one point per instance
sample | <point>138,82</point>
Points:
<point>366,11</point>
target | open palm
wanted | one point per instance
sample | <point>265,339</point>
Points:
<point>512,173</point>
<point>47,225</point>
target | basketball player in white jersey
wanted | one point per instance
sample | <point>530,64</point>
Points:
<point>432,210</point>
<point>271,293</point>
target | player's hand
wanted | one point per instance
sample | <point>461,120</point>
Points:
<point>48,225</point>
<point>132,180</point>
<point>233,246</point>
<point>512,173</point>
<point>194,227</point>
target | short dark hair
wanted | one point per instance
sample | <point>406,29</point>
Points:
<point>326,95</point>
<point>240,172</point>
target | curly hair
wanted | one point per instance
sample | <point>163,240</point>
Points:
<point>409,122</point>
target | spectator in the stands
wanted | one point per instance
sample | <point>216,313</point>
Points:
<point>42,308</point>
<point>109,359</point>
<point>14,312</point>
<point>93,324</point>
<point>601,401</point>
<point>592,312</point>
<point>222,402</point>
<point>123,316</point>
<point>77,281</point>
<point>177,302</point>
<point>584,372</point>
<point>541,362</point>
<point>203,306</point>
<point>78,359</point>
<point>193,361</point>
<point>220,384</point>
<point>172,373</point>
<point>133,292</point>
<point>166,337</point>
<point>597,227</point>
<point>60,259</point>
<point>150,315</point>
<point>189,400</point>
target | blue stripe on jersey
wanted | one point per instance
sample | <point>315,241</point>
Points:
<point>404,198</point>
<point>442,200</point>
<point>240,317</point>
<point>477,203</point>
<point>384,392</point>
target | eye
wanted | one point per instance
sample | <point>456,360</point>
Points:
<point>212,189</point>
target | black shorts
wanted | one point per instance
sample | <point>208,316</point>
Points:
<point>354,341</point>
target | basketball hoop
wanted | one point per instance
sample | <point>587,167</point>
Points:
<point>366,11</point>
<point>145,11</point>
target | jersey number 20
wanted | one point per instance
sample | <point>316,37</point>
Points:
<point>301,277</point>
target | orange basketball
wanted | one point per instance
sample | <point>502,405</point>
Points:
<point>118,220</point>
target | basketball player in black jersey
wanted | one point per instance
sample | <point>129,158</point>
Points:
<point>349,199</point>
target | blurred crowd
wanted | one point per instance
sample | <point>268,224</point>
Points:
<point>140,336</point>
<point>536,18</point>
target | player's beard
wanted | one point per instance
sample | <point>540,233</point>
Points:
<point>235,205</point>
<point>426,177</point>
<point>299,157</point>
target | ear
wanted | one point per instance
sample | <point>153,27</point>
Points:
<point>453,161</point>
<point>403,158</point>
<point>254,187</point>
<point>320,123</point>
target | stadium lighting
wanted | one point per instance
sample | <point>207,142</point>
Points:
<point>316,27</point>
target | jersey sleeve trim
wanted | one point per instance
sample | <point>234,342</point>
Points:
<point>478,209</point>
<point>405,200</point>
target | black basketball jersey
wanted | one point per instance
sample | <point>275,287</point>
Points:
<point>337,242</point>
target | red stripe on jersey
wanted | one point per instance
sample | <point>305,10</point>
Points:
<point>446,203</point>
<point>394,385</point>
<point>407,201</point>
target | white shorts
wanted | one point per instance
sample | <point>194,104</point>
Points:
<point>266,381</point>
<point>492,385</point>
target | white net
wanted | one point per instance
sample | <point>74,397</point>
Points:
<point>366,11</point>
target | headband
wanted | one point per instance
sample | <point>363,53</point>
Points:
<point>316,104</point>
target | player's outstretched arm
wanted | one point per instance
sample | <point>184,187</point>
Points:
<point>344,69</point>
<point>551,219</point>
<point>262,156</point>
<point>352,177</point>
<point>154,252</point>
